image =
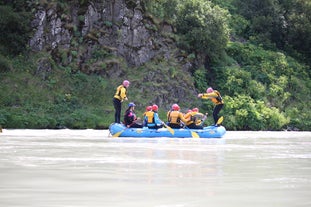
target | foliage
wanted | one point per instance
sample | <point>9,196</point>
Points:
<point>203,27</point>
<point>4,64</point>
<point>265,77</point>
<point>245,113</point>
<point>163,9</point>
<point>14,27</point>
<point>200,79</point>
<point>282,24</point>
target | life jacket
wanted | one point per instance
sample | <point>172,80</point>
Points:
<point>217,99</point>
<point>174,117</point>
<point>118,94</point>
<point>129,117</point>
<point>149,117</point>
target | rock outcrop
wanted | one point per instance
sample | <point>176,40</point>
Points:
<point>103,36</point>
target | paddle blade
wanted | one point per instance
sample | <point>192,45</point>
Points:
<point>194,135</point>
<point>118,133</point>
<point>220,120</point>
<point>169,129</point>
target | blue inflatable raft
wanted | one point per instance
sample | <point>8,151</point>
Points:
<point>119,130</point>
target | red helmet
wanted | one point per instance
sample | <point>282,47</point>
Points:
<point>148,108</point>
<point>155,107</point>
<point>195,109</point>
<point>126,83</point>
<point>175,107</point>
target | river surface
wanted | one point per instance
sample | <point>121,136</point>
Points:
<point>75,168</point>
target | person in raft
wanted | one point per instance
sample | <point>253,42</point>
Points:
<point>195,119</point>
<point>152,118</point>
<point>175,117</point>
<point>148,108</point>
<point>130,119</point>
<point>216,98</point>
<point>118,98</point>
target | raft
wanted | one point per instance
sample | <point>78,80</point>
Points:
<point>119,130</point>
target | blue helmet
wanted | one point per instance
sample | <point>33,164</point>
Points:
<point>131,104</point>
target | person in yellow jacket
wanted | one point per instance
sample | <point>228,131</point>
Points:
<point>175,117</point>
<point>148,109</point>
<point>216,98</point>
<point>118,98</point>
<point>195,119</point>
<point>152,118</point>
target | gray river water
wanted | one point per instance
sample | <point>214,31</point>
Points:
<point>73,168</point>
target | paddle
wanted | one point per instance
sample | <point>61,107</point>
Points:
<point>119,133</point>
<point>220,120</point>
<point>193,134</point>
<point>169,129</point>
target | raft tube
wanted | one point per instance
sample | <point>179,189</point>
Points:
<point>145,132</point>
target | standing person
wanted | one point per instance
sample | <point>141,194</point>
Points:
<point>130,119</point>
<point>216,98</point>
<point>118,98</point>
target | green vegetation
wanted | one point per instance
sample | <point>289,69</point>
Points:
<point>256,53</point>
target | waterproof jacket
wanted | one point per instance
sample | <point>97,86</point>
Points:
<point>194,117</point>
<point>214,96</point>
<point>129,117</point>
<point>174,117</point>
<point>152,119</point>
<point>120,93</point>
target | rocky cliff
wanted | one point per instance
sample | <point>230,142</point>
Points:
<point>106,37</point>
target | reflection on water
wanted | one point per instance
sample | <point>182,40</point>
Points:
<point>90,168</point>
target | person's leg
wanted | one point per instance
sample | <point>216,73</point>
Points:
<point>216,112</point>
<point>117,107</point>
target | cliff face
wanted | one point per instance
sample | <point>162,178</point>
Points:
<point>113,33</point>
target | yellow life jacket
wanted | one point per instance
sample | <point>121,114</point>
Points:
<point>120,93</point>
<point>150,117</point>
<point>214,96</point>
<point>174,117</point>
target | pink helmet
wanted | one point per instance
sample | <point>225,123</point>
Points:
<point>195,109</point>
<point>209,90</point>
<point>148,108</point>
<point>175,107</point>
<point>126,83</point>
<point>155,107</point>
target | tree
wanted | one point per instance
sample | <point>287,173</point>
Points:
<point>14,27</point>
<point>203,28</point>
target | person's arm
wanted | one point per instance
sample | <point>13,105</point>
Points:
<point>123,94</point>
<point>207,95</point>
<point>157,120</point>
<point>182,118</point>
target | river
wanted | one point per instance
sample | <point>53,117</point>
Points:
<point>75,168</point>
